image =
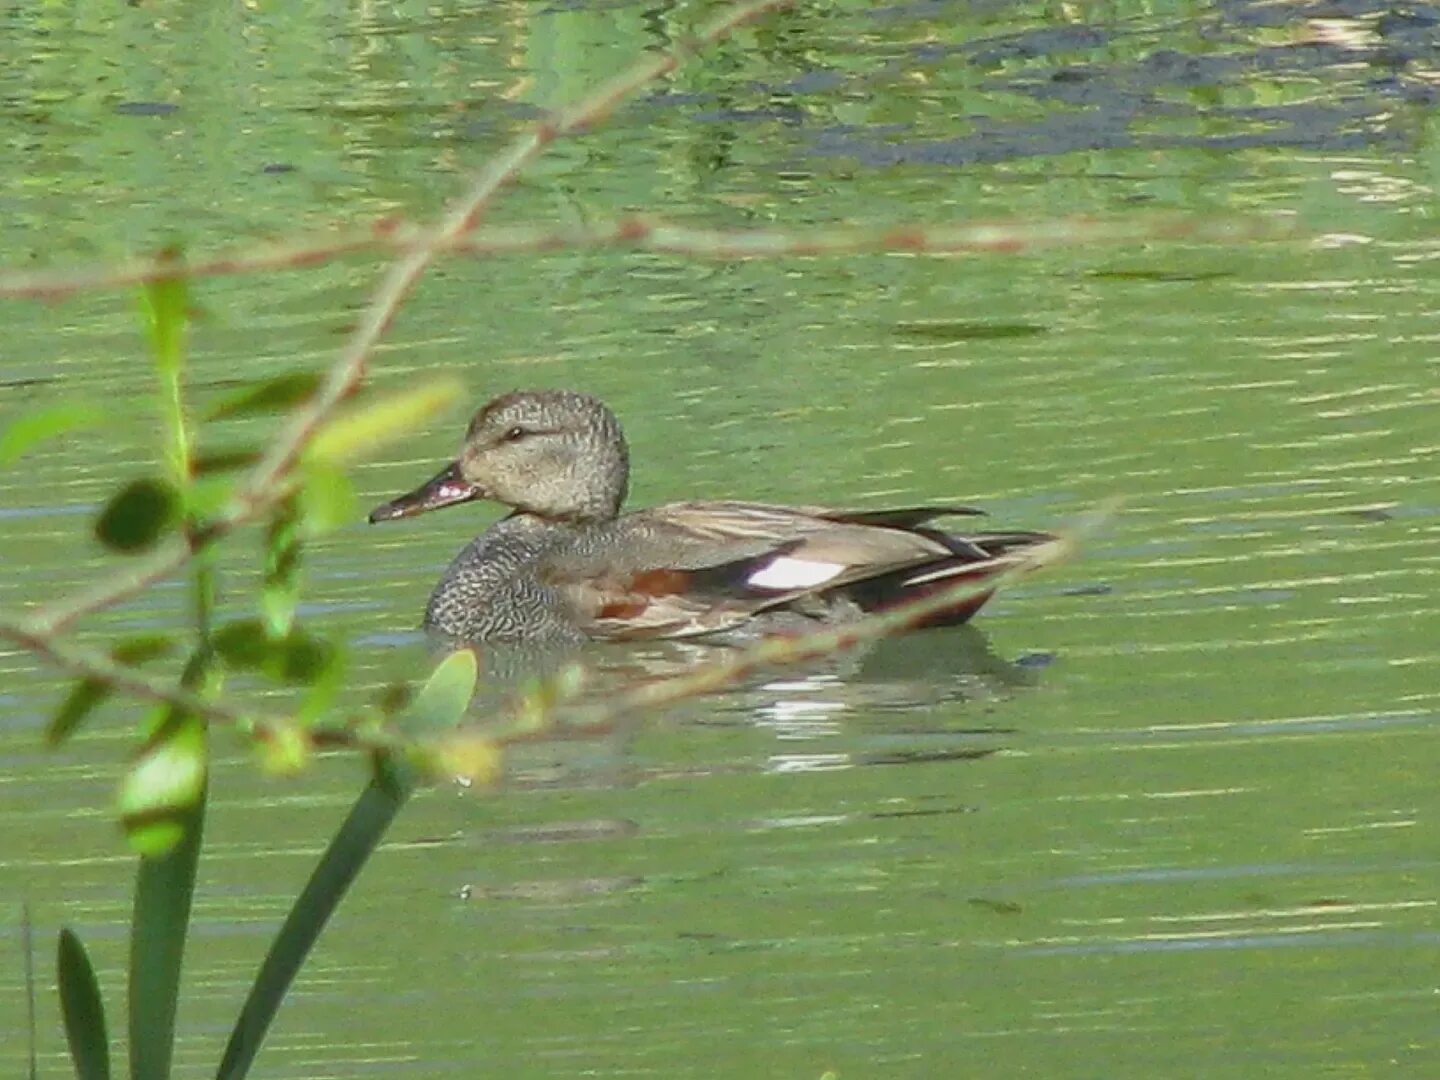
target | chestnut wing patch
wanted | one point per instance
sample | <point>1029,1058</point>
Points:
<point>669,602</point>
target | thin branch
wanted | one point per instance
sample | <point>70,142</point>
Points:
<point>645,233</point>
<point>639,233</point>
<point>53,619</point>
<point>294,255</point>
<point>90,664</point>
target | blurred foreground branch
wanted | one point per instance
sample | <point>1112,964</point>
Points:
<point>647,233</point>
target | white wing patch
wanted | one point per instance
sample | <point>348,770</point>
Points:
<point>785,573</point>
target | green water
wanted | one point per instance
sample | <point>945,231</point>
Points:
<point>1166,812</point>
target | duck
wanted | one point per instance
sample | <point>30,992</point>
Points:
<point>568,565</point>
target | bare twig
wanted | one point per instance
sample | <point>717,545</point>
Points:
<point>645,233</point>
<point>54,618</point>
<point>947,238</point>
<point>88,663</point>
<point>295,255</point>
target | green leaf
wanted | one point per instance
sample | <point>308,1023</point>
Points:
<point>142,648</point>
<point>280,591</point>
<point>273,395</point>
<point>227,459</point>
<point>324,688</point>
<point>164,890</point>
<point>164,786</point>
<point>141,513</point>
<point>298,658</point>
<point>165,303</point>
<point>82,1009</point>
<point>83,699</point>
<point>342,862</point>
<point>364,430</point>
<point>443,700</point>
<point>242,644</point>
<point>23,433</point>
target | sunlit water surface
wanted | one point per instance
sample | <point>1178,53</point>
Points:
<point>1166,812</point>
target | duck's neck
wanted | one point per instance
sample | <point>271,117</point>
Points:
<point>583,502</point>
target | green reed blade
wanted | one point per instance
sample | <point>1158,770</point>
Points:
<point>82,1009</point>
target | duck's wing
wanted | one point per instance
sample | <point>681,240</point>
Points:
<point>697,568</point>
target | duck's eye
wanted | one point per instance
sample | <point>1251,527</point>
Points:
<point>515,434</point>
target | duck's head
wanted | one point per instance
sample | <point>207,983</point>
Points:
<point>552,453</point>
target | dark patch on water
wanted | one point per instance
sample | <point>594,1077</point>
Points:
<point>146,108</point>
<point>1034,661</point>
<point>968,330</point>
<point>996,907</point>
<point>1161,276</point>
<point>1377,58</point>
<point>1368,515</point>
<point>1098,588</point>
<point>926,757</point>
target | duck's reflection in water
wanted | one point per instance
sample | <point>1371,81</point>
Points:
<point>891,702</point>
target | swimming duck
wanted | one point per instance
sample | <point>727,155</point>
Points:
<point>566,565</point>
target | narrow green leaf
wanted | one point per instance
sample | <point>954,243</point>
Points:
<point>141,513</point>
<point>280,591</point>
<point>364,430</point>
<point>163,787</point>
<point>84,697</point>
<point>342,862</point>
<point>273,395</point>
<point>165,303</point>
<point>83,1009</point>
<point>28,430</point>
<point>164,889</point>
<point>442,701</point>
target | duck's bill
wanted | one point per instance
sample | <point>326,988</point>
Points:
<point>446,488</point>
